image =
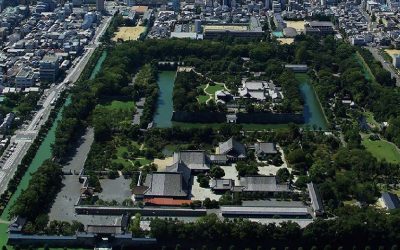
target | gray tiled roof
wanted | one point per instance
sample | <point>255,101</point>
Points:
<point>164,184</point>
<point>182,169</point>
<point>265,148</point>
<point>391,200</point>
<point>218,157</point>
<point>262,183</point>
<point>222,184</point>
<point>232,145</point>
<point>315,197</point>
<point>193,159</point>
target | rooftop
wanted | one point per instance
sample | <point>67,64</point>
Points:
<point>164,184</point>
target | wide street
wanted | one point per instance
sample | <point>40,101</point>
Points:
<point>23,138</point>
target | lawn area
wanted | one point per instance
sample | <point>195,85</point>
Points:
<point>117,105</point>
<point>126,162</point>
<point>370,118</point>
<point>203,98</point>
<point>382,150</point>
<point>212,89</point>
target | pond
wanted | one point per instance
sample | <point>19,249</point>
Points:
<point>278,34</point>
<point>313,114</point>
<point>165,107</point>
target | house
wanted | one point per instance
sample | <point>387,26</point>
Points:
<point>222,185</point>
<point>253,90</point>
<point>223,96</point>
<point>390,200</point>
<point>218,159</point>
<point>233,149</point>
<point>262,184</point>
<point>316,200</point>
<point>195,160</point>
<point>260,91</point>
<point>166,184</point>
<point>264,149</point>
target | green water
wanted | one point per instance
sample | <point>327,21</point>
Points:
<point>99,63</point>
<point>313,113</point>
<point>165,107</point>
<point>43,153</point>
<point>278,34</point>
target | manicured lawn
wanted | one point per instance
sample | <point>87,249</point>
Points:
<point>212,89</point>
<point>126,162</point>
<point>203,98</point>
<point>117,105</point>
<point>382,150</point>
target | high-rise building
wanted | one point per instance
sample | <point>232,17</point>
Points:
<point>267,4</point>
<point>226,3</point>
<point>197,26</point>
<point>49,68</point>
<point>176,5</point>
<point>100,5</point>
<point>396,60</point>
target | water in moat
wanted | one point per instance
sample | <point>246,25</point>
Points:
<point>313,114</point>
<point>42,154</point>
<point>165,107</point>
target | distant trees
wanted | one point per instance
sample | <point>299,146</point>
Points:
<point>327,234</point>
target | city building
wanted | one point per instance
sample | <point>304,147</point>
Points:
<point>319,28</point>
<point>100,5</point>
<point>396,60</point>
<point>49,68</point>
<point>25,78</point>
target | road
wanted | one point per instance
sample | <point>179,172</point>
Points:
<point>23,138</point>
<point>386,65</point>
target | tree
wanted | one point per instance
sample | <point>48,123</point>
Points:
<point>217,172</point>
<point>282,175</point>
<point>246,168</point>
<point>203,180</point>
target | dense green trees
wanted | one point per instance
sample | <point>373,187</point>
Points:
<point>217,172</point>
<point>246,168</point>
<point>145,85</point>
<point>374,227</point>
<point>42,189</point>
